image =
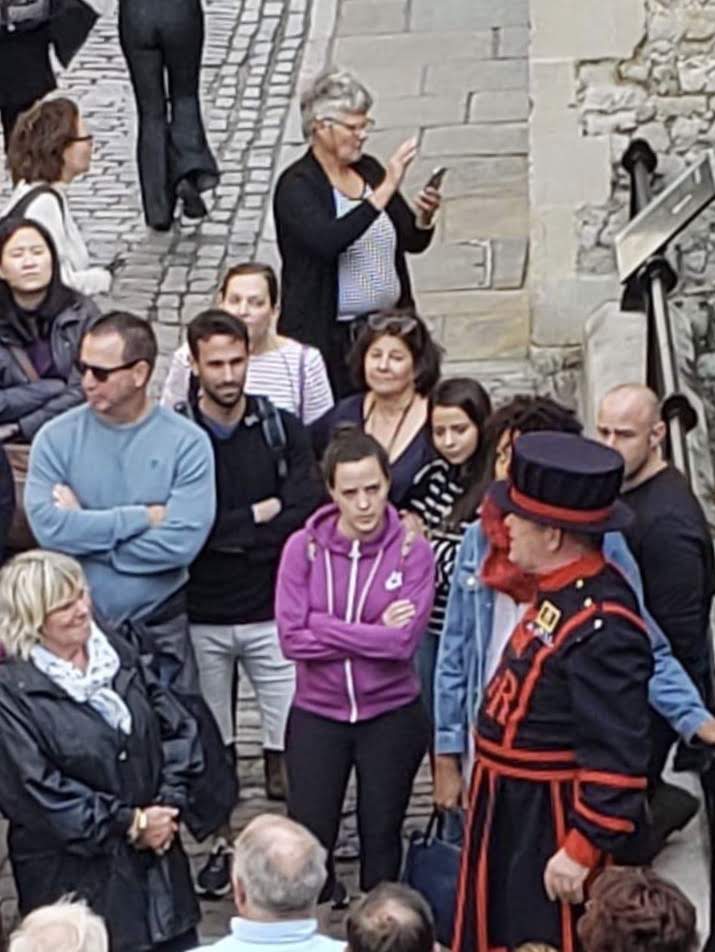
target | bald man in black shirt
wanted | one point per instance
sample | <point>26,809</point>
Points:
<point>669,539</point>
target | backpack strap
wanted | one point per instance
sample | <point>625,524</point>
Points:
<point>20,207</point>
<point>24,362</point>
<point>274,434</point>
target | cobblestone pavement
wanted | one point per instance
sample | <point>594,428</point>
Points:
<point>251,58</point>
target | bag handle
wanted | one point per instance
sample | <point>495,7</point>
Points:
<point>26,365</point>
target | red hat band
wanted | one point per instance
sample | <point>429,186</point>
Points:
<point>561,513</point>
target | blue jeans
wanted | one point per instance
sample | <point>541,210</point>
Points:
<point>425,664</point>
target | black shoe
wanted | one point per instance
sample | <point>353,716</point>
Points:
<point>340,898</point>
<point>194,206</point>
<point>672,808</point>
<point>697,759</point>
<point>214,878</point>
<point>274,773</point>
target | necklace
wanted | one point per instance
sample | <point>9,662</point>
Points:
<point>398,426</point>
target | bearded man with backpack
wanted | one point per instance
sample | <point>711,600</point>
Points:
<point>266,487</point>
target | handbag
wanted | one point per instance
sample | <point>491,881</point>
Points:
<point>432,868</point>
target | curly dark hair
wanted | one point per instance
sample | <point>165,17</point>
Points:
<point>633,909</point>
<point>39,139</point>
<point>426,354</point>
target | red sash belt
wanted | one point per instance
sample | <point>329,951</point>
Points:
<point>519,763</point>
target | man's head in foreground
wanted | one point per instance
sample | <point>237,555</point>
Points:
<point>278,870</point>
<point>391,918</point>
<point>65,926</point>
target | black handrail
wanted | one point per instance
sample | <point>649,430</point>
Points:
<point>648,290</point>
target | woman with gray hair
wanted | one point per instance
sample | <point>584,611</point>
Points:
<point>65,926</point>
<point>343,227</point>
<point>96,758</point>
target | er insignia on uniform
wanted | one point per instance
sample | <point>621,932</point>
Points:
<point>546,621</point>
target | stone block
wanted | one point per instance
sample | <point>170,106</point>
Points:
<point>507,105</point>
<point>471,175</point>
<point>614,349</point>
<point>589,29</point>
<point>568,170</point>
<point>402,49</point>
<point>559,308</point>
<point>432,15</point>
<point>476,75</point>
<point>487,216</point>
<point>477,139</point>
<point>509,261</point>
<point>420,110</point>
<point>513,42</point>
<point>386,80</point>
<point>371,16</point>
<point>449,267</point>
<point>497,328</point>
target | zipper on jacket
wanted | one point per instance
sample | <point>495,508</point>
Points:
<point>352,588</point>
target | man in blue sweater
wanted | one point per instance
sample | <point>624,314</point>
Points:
<point>127,488</point>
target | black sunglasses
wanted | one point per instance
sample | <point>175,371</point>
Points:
<point>102,374</point>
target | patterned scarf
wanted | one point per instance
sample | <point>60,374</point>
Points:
<point>92,686</point>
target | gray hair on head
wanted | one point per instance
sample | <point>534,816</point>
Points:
<point>334,90</point>
<point>280,865</point>
<point>65,926</point>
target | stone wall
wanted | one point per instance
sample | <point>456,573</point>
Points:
<point>664,92</point>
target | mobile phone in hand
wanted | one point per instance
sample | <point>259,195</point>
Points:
<point>435,179</point>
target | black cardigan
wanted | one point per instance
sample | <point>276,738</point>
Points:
<point>311,237</point>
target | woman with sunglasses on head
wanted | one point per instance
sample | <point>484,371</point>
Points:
<point>292,375</point>
<point>343,227</point>
<point>395,364</point>
<point>41,325</point>
<point>445,495</point>
<point>50,146</point>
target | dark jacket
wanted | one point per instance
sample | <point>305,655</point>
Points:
<point>311,238</point>
<point>62,318</point>
<point>69,785</point>
<point>232,580</point>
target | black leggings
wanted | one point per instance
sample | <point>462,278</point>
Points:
<point>386,752</point>
<point>162,42</point>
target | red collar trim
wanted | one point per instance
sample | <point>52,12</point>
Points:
<point>585,567</point>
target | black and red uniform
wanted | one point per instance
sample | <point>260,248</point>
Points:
<point>562,752</point>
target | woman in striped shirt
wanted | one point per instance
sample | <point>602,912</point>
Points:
<point>445,496</point>
<point>292,375</point>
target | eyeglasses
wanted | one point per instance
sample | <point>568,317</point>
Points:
<point>392,323</point>
<point>87,138</point>
<point>355,129</point>
<point>102,374</point>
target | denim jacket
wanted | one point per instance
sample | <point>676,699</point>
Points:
<point>461,659</point>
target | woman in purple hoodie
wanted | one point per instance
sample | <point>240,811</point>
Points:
<point>353,598</point>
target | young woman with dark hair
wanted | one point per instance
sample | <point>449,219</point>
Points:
<point>395,363</point>
<point>49,148</point>
<point>41,325</point>
<point>353,597</point>
<point>445,496</point>
<point>291,374</point>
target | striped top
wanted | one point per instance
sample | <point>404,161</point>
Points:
<point>293,377</point>
<point>434,492</point>
<point>367,275</point>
